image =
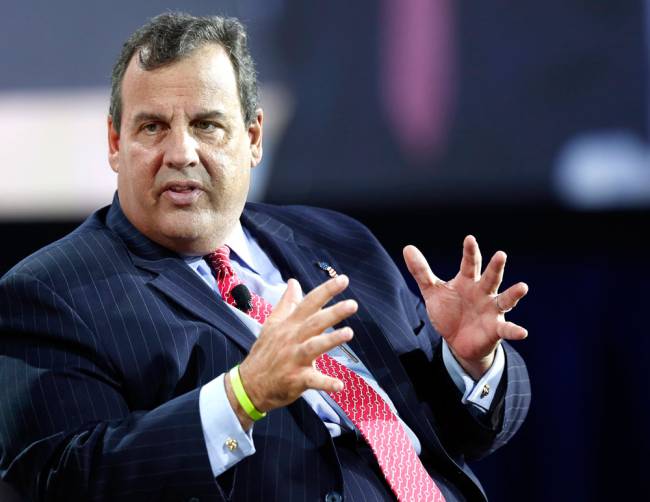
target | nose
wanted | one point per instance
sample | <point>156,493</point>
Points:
<point>181,149</point>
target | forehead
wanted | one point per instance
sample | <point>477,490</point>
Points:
<point>204,78</point>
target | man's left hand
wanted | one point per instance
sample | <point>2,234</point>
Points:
<point>467,311</point>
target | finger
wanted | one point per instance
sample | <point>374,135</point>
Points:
<point>288,301</point>
<point>511,331</point>
<point>419,268</point>
<point>493,275</point>
<point>317,381</point>
<point>318,345</point>
<point>320,295</point>
<point>511,296</point>
<point>470,265</point>
<point>325,318</point>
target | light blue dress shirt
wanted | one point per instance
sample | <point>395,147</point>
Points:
<point>221,425</point>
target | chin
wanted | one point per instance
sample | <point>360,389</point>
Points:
<point>193,233</point>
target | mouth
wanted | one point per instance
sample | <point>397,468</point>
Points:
<point>182,193</point>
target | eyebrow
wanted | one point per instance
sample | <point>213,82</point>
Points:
<point>210,114</point>
<point>157,117</point>
<point>147,116</point>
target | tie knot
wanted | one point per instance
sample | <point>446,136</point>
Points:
<point>223,254</point>
<point>220,261</point>
<point>228,283</point>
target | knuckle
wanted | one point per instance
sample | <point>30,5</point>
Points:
<point>310,379</point>
<point>308,348</point>
<point>310,325</point>
<point>302,351</point>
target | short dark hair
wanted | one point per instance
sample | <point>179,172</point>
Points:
<point>172,36</point>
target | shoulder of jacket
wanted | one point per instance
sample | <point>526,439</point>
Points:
<point>66,255</point>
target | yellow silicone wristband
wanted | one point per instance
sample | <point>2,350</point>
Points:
<point>242,397</point>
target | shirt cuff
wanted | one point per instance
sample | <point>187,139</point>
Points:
<point>478,393</point>
<point>226,441</point>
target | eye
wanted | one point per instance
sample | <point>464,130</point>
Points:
<point>205,125</point>
<point>151,127</point>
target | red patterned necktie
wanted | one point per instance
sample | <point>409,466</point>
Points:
<point>219,260</point>
<point>367,410</point>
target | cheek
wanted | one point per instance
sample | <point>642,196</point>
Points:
<point>233,179</point>
<point>232,163</point>
<point>138,167</point>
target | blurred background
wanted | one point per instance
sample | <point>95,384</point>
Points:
<point>524,123</point>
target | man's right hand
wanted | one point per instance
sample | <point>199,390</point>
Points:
<point>279,367</point>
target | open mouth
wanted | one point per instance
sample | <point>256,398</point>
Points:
<point>182,194</point>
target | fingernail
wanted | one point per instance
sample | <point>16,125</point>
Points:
<point>339,386</point>
<point>341,280</point>
<point>347,333</point>
<point>350,305</point>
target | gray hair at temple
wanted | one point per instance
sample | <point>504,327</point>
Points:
<point>172,36</point>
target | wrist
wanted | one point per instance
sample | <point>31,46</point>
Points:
<point>245,421</point>
<point>247,379</point>
<point>475,368</point>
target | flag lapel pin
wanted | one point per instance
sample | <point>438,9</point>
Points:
<point>326,267</point>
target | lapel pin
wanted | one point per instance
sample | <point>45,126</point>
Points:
<point>326,267</point>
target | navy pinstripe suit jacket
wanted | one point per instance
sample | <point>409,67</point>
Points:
<point>106,339</point>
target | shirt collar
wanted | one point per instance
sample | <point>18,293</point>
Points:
<point>238,242</point>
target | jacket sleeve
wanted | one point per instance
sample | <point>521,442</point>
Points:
<point>465,431</point>
<point>66,426</point>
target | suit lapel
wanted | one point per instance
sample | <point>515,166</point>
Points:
<point>176,280</point>
<point>173,278</point>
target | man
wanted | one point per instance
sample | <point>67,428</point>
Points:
<point>128,376</point>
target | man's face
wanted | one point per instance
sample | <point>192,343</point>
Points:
<point>183,155</point>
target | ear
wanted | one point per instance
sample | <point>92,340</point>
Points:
<point>255,137</point>
<point>113,146</point>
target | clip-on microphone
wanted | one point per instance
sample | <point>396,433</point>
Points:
<point>242,297</point>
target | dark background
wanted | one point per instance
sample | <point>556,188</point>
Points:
<point>528,78</point>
